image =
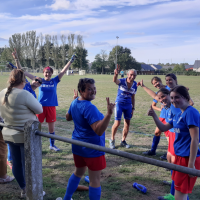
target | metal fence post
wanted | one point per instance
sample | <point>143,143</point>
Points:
<point>33,161</point>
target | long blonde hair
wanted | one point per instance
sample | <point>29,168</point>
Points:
<point>16,77</point>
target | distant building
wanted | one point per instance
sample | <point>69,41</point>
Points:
<point>145,67</point>
<point>196,66</point>
<point>189,67</point>
<point>156,67</point>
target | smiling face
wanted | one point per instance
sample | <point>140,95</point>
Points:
<point>170,82</point>
<point>131,75</point>
<point>177,100</point>
<point>89,93</point>
<point>164,99</point>
<point>157,84</point>
<point>47,75</point>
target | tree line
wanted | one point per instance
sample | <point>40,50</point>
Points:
<point>45,50</point>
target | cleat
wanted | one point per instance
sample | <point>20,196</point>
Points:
<point>54,147</point>
<point>124,144</point>
<point>149,153</point>
<point>112,144</point>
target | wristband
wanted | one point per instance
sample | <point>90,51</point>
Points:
<point>133,108</point>
<point>73,58</point>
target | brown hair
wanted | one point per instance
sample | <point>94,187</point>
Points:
<point>182,90</point>
<point>16,77</point>
<point>156,79</point>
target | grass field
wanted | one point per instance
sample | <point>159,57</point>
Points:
<point>121,173</point>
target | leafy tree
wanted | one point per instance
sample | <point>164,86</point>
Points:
<point>124,58</point>
<point>81,53</point>
<point>6,55</point>
<point>100,62</point>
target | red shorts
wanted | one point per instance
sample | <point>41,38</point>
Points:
<point>49,112</point>
<point>182,181</point>
<point>171,136</point>
<point>94,164</point>
<point>164,122</point>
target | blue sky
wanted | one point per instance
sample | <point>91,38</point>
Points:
<point>154,30</point>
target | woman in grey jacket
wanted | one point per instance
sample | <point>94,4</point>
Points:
<point>17,106</point>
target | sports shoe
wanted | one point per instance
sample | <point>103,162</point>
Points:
<point>167,183</point>
<point>124,144</point>
<point>9,163</point>
<point>54,147</point>
<point>112,144</point>
<point>163,157</point>
<point>7,179</point>
<point>167,197</point>
<point>59,198</point>
<point>149,153</point>
<point>23,195</point>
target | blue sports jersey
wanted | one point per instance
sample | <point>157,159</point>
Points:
<point>181,123</point>
<point>124,94</point>
<point>84,114</point>
<point>48,92</point>
<point>29,89</point>
<point>169,113</point>
<point>162,112</point>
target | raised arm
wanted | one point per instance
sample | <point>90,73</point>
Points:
<point>147,90</point>
<point>116,72</point>
<point>154,106</point>
<point>66,67</point>
<point>162,127</point>
<point>18,65</point>
<point>99,127</point>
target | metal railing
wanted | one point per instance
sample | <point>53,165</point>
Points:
<point>33,157</point>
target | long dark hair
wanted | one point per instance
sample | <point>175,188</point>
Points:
<point>16,78</point>
<point>182,90</point>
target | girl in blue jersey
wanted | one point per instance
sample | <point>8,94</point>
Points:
<point>157,83</point>
<point>186,127</point>
<point>48,95</point>
<point>90,126</point>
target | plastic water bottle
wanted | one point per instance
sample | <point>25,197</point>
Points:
<point>87,179</point>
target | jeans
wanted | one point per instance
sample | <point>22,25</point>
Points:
<point>3,156</point>
<point>18,169</point>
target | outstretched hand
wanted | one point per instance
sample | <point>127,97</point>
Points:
<point>14,54</point>
<point>151,112</point>
<point>116,71</point>
<point>75,94</point>
<point>110,106</point>
<point>140,83</point>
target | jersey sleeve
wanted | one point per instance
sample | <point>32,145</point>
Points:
<point>69,111</point>
<point>56,79</point>
<point>92,114</point>
<point>192,118</point>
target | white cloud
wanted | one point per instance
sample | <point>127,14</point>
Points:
<point>100,43</point>
<point>91,4</point>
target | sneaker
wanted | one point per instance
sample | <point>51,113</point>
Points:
<point>163,157</point>
<point>7,179</point>
<point>59,198</point>
<point>23,195</point>
<point>149,153</point>
<point>9,163</point>
<point>167,183</point>
<point>54,147</point>
<point>112,144</point>
<point>167,197</point>
<point>124,144</point>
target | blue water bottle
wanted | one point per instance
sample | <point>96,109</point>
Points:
<point>87,179</point>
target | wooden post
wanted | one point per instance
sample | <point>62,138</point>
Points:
<point>33,161</point>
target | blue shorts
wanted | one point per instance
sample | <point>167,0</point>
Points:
<point>123,108</point>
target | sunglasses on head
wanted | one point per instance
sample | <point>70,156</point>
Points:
<point>39,81</point>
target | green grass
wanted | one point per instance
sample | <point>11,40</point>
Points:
<point>120,173</point>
